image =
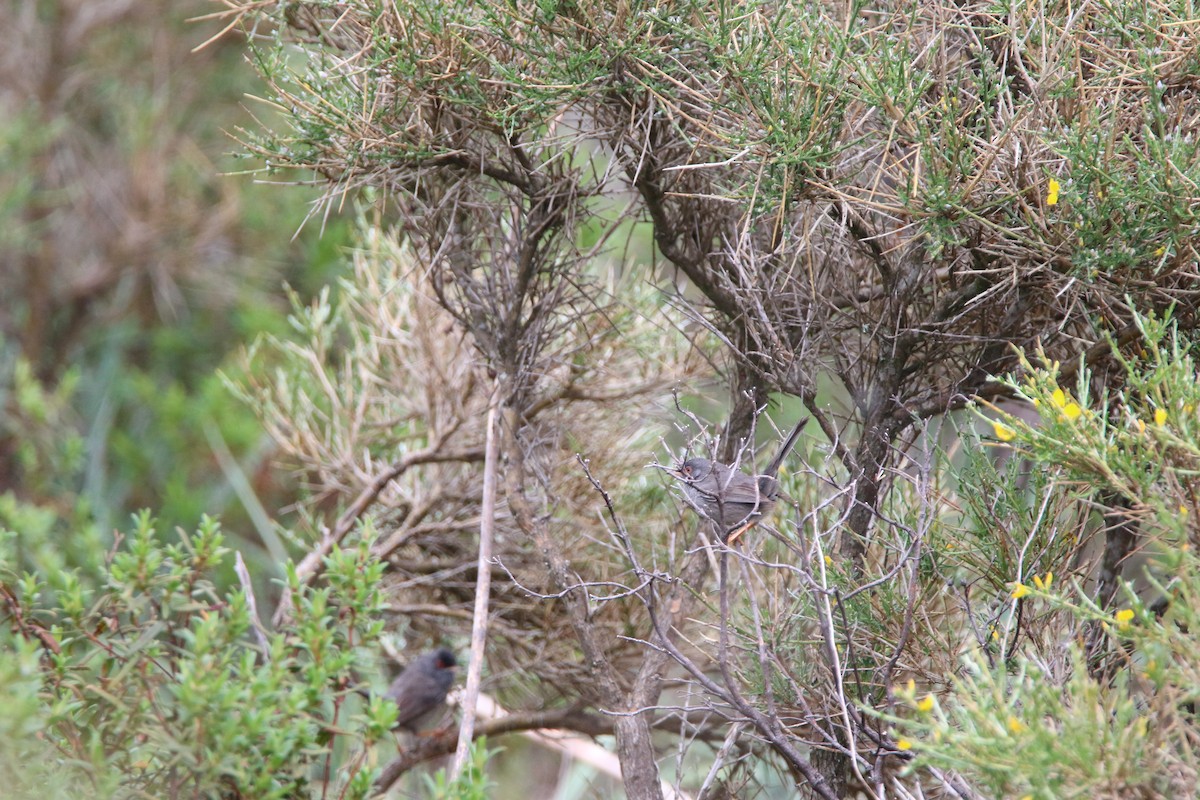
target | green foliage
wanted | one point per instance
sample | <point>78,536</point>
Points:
<point>28,766</point>
<point>48,459</point>
<point>150,681</point>
<point>472,784</point>
<point>1031,731</point>
<point>1070,722</point>
<point>1007,520</point>
<point>1143,442</point>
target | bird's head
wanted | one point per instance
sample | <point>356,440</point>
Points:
<point>694,469</point>
<point>444,658</point>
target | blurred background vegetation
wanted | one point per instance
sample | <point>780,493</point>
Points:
<point>134,261</point>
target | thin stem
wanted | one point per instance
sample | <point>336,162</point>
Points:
<point>483,586</point>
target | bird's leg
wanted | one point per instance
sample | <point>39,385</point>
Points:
<point>732,538</point>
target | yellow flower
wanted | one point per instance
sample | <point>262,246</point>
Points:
<point>1141,426</point>
<point>904,744</point>
<point>1183,511</point>
<point>1019,591</point>
<point>1003,432</point>
<point>1062,401</point>
<point>1044,583</point>
<point>1160,251</point>
<point>1052,194</point>
<point>1123,617</point>
<point>925,704</point>
<point>1015,725</point>
<point>1160,417</point>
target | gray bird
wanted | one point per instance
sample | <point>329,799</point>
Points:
<point>735,501</point>
<point>421,688</point>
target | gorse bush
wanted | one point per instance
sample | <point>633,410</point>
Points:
<point>1105,712</point>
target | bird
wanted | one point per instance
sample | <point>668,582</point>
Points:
<point>421,688</point>
<point>733,500</point>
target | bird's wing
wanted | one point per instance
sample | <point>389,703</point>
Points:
<point>748,491</point>
<point>417,691</point>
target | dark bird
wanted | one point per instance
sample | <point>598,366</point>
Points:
<point>421,688</point>
<point>735,501</point>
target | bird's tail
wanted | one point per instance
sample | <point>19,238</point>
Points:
<point>773,468</point>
